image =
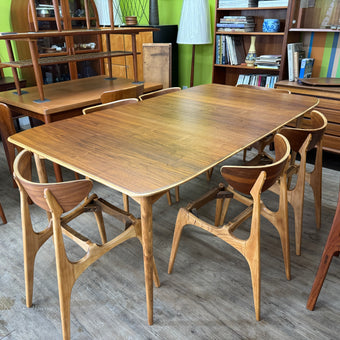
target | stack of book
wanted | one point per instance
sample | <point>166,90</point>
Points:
<point>295,53</point>
<point>271,61</point>
<point>236,24</point>
<point>273,3</point>
<point>264,80</point>
<point>237,3</point>
<point>229,50</point>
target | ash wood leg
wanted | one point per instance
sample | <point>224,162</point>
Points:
<point>126,202</point>
<point>14,71</point>
<point>146,220</point>
<point>331,249</point>
<point>168,196</point>
<point>37,70</point>
<point>325,262</point>
<point>134,53</point>
<point>314,179</point>
<point>2,215</point>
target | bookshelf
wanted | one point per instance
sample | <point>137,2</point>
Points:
<point>317,27</point>
<point>267,43</point>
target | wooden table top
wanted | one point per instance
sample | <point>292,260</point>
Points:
<point>68,95</point>
<point>151,146</point>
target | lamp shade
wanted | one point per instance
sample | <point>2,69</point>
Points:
<point>104,13</point>
<point>194,26</point>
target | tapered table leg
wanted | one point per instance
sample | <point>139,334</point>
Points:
<point>146,220</point>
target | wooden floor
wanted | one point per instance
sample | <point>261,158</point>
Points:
<point>208,296</point>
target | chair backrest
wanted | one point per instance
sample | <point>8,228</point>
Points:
<point>159,93</point>
<point>67,194</point>
<point>109,105</point>
<point>242,178</point>
<point>315,126</point>
<point>263,88</point>
<point>7,129</point>
<point>130,92</point>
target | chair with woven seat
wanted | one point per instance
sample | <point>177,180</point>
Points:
<point>130,92</point>
<point>332,248</point>
<point>63,202</point>
<point>153,95</point>
<point>7,129</point>
<point>302,140</point>
<point>2,215</point>
<point>241,181</point>
<point>260,145</point>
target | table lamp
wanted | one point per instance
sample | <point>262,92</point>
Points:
<point>194,27</point>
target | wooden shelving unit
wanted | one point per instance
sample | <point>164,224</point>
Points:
<point>67,34</point>
<point>266,43</point>
<point>312,27</point>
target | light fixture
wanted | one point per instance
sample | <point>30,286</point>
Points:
<point>194,27</point>
<point>104,12</point>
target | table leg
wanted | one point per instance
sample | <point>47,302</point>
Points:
<point>146,220</point>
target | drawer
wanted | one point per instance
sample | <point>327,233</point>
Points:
<point>331,143</point>
<point>329,104</point>
<point>331,115</point>
<point>333,129</point>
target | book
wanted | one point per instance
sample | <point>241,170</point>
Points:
<point>291,48</point>
<point>306,68</point>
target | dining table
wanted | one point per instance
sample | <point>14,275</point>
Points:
<point>65,99</point>
<point>144,149</point>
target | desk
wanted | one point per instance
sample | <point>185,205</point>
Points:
<point>147,148</point>
<point>66,99</point>
<point>329,105</point>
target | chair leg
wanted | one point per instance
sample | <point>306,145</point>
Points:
<point>168,196</point>
<point>101,225</point>
<point>325,262</point>
<point>2,215</point>
<point>126,202</point>
<point>181,221</point>
<point>314,179</point>
<point>177,193</point>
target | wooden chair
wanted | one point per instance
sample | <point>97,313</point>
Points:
<point>108,106</point>
<point>64,202</point>
<point>2,215</point>
<point>243,180</point>
<point>7,129</point>
<point>262,156</point>
<point>303,139</point>
<point>332,248</point>
<point>130,92</point>
<point>159,93</point>
<point>156,94</point>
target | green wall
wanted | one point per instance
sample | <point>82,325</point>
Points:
<point>169,14</point>
<point>5,26</point>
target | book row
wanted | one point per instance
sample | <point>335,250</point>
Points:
<point>264,80</point>
<point>251,3</point>
<point>229,50</point>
